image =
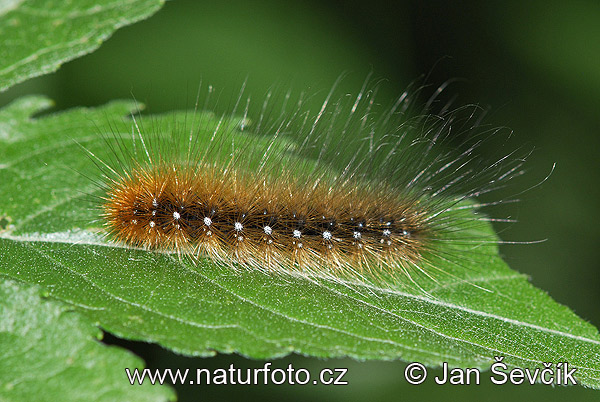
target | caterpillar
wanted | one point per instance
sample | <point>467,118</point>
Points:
<point>353,191</point>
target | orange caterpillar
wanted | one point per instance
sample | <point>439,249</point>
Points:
<point>381,201</point>
<point>271,222</point>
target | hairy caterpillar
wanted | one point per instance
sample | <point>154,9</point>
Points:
<point>352,191</point>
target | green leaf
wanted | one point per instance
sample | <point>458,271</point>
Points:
<point>50,353</point>
<point>50,238</point>
<point>40,35</point>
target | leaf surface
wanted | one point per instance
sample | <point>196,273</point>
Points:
<point>40,35</point>
<point>51,236</point>
<point>50,353</point>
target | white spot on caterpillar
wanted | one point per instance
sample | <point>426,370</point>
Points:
<point>240,238</point>
<point>387,232</point>
<point>357,235</point>
<point>176,215</point>
<point>297,234</point>
<point>207,221</point>
<point>268,230</point>
<point>327,235</point>
<point>152,224</point>
<point>238,226</point>
<point>155,203</point>
<point>134,221</point>
<point>299,245</point>
<point>154,213</point>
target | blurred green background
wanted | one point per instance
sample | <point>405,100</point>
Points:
<point>535,64</point>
